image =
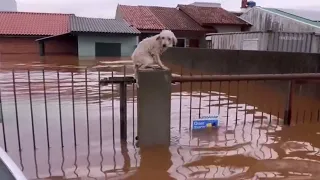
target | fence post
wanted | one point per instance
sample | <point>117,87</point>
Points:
<point>288,110</point>
<point>154,107</point>
<point>123,111</point>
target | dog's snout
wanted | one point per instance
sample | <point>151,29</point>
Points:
<point>164,45</point>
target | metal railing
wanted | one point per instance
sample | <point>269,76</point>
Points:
<point>291,78</point>
<point>71,107</point>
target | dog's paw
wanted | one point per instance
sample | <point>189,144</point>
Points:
<point>165,68</point>
<point>156,67</point>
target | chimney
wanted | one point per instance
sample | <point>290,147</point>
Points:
<point>244,4</point>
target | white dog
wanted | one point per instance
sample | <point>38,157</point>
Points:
<point>147,54</point>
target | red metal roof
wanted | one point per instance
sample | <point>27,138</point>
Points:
<point>158,18</point>
<point>140,17</point>
<point>174,19</point>
<point>33,24</point>
<point>211,15</point>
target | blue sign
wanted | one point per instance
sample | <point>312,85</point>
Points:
<point>206,122</point>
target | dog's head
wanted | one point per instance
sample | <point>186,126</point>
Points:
<point>167,39</point>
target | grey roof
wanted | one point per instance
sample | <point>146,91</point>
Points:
<point>307,14</point>
<point>305,20</point>
<point>99,25</point>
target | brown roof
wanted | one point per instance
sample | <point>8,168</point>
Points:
<point>140,17</point>
<point>174,19</point>
<point>158,18</point>
<point>211,15</point>
<point>33,24</point>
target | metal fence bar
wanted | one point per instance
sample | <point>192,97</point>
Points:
<point>245,104</point>
<point>219,97</point>
<point>31,111</point>
<point>45,107</point>
<point>112,105</point>
<point>288,111</point>
<point>252,77</point>
<point>262,113</point>
<point>100,115</point>
<point>190,110</point>
<point>60,111</point>
<point>210,96</point>
<point>73,111</point>
<point>123,108</point>
<point>3,124</point>
<point>87,106</point>
<point>180,102</point>
<point>237,101</point>
<point>16,107</point>
<point>228,103</point>
<point>221,78</point>
<point>200,99</point>
<point>123,111</point>
<point>133,112</point>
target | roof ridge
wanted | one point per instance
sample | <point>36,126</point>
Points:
<point>146,6</point>
<point>287,15</point>
<point>98,18</point>
<point>27,12</point>
<point>200,6</point>
<point>293,14</point>
<point>156,17</point>
<point>187,14</point>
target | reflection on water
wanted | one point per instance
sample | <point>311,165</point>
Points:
<point>249,143</point>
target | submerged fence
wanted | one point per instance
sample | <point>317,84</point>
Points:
<point>48,108</point>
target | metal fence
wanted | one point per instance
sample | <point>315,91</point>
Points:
<point>266,41</point>
<point>44,109</point>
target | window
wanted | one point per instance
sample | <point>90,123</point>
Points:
<point>181,43</point>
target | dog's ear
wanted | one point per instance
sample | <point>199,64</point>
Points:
<point>158,37</point>
<point>175,41</point>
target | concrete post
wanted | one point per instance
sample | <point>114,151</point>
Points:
<point>154,107</point>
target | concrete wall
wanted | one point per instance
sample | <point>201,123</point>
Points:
<point>86,43</point>
<point>213,61</point>
<point>242,62</point>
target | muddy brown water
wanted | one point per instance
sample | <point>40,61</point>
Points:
<point>258,147</point>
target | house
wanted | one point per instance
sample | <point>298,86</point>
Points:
<point>273,29</point>
<point>285,20</point>
<point>19,30</point>
<point>50,33</point>
<point>97,37</point>
<point>190,23</point>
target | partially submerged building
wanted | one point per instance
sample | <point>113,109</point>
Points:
<point>190,23</point>
<point>52,33</point>
<point>272,29</point>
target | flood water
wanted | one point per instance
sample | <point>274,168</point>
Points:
<point>250,142</point>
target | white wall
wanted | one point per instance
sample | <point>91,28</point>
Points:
<point>86,44</point>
